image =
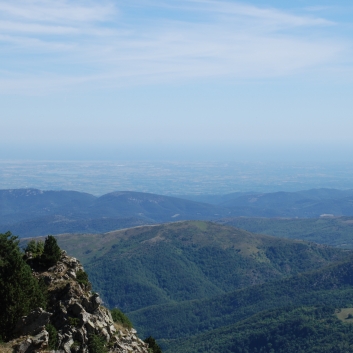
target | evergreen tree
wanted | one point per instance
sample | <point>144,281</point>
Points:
<point>53,336</point>
<point>20,292</point>
<point>51,252</point>
<point>39,248</point>
<point>35,247</point>
<point>31,247</point>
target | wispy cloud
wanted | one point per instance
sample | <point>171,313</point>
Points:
<point>63,43</point>
<point>56,11</point>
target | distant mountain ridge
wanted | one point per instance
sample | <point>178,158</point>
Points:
<point>32,212</point>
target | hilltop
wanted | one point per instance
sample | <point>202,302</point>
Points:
<point>151,265</point>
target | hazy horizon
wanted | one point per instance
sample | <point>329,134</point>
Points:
<point>189,80</point>
<point>246,152</point>
<point>174,178</point>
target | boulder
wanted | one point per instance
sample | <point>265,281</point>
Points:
<point>41,339</point>
<point>33,323</point>
<point>24,346</point>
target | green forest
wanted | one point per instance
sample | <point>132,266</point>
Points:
<point>285,330</point>
<point>202,287</point>
<point>333,231</point>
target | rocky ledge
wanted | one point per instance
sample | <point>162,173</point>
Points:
<point>75,316</point>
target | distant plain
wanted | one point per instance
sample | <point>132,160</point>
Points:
<point>173,178</point>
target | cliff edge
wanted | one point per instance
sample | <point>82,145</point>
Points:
<point>74,321</point>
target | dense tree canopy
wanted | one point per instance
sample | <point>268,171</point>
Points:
<point>20,292</point>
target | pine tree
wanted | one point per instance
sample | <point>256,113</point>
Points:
<point>52,252</point>
<point>35,247</point>
<point>20,292</point>
<point>31,246</point>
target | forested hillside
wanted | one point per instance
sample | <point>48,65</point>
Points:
<point>152,265</point>
<point>331,286</point>
<point>180,280</point>
<point>191,284</point>
<point>285,330</point>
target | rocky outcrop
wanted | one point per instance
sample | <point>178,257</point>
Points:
<point>75,315</point>
<point>34,323</point>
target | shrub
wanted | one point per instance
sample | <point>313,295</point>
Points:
<point>152,345</point>
<point>74,321</point>
<point>119,316</point>
<point>82,277</point>
<point>53,336</point>
<point>96,344</point>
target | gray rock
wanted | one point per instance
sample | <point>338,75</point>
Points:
<point>24,347</point>
<point>33,323</point>
<point>105,334</point>
<point>111,329</point>
<point>67,345</point>
<point>41,339</point>
<point>77,314</point>
<point>90,327</point>
<point>84,316</point>
<point>92,303</point>
<point>76,309</point>
<point>72,274</point>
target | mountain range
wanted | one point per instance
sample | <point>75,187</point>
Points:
<point>32,212</point>
<point>201,286</point>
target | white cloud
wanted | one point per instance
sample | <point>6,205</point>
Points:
<point>112,47</point>
<point>56,11</point>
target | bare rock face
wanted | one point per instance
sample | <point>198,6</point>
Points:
<point>35,343</point>
<point>34,323</point>
<point>76,314</point>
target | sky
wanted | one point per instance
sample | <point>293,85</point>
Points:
<point>176,80</point>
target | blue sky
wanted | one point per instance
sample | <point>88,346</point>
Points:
<point>186,79</point>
